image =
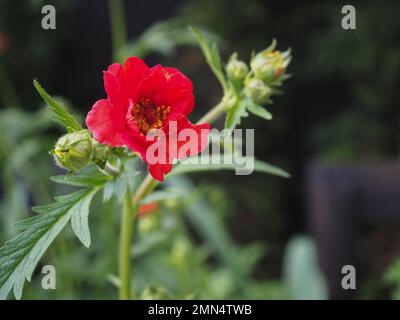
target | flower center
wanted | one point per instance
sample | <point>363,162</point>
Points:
<point>148,116</point>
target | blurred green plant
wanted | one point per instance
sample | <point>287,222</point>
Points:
<point>302,276</point>
<point>392,277</point>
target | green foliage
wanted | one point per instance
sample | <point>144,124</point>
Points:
<point>392,277</point>
<point>23,142</point>
<point>257,110</point>
<point>126,177</point>
<point>163,38</point>
<point>19,256</point>
<point>234,114</point>
<point>58,111</point>
<point>215,162</point>
<point>243,91</point>
<point>211,53</point>
<point>302,276</point>
<point>161,195</point>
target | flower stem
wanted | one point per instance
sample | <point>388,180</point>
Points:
<point>214,113</point>
<point>127,222</point>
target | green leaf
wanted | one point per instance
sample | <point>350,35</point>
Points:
<point>60,114</point>
<point>120,183</point>
<point>160,195</point>
<point>80,221</point>
<point>213,163</point>
<point>88,177</point>
<point>211,53</point>
<point>301,273</point>
<point>19,256</point>
<point>234,114</point>
<point>258,110</point>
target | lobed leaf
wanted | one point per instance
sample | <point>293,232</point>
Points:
<point>19,256</point>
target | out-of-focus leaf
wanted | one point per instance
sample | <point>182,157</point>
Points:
<point>25,151</point>
<point>161,195</point>
<point>211,53</point>
<point>205,221</point>
<point>215,162</point>
<point>146,243</point>
<point>19,124</point>
<point>302,275</point>
<point>121,182</point>
<point>163,38</point>
<point>257,109</point>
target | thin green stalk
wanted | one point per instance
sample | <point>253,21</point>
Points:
<point>118,27</point>
<point>127,221</point>
<point>214,113</point>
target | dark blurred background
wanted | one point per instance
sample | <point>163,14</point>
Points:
<point>340,107</point>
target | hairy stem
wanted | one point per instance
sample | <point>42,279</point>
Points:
<point>127,222</point>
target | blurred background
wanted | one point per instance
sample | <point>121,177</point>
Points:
<point>335,129</point>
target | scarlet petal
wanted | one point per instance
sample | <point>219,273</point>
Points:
<point>158,170</point>
<point>169,87</point>
<point>105,124</point>
<point>135,70</point>
<point>192,137</point>
<point>138,143</point>
<point>114,85</point>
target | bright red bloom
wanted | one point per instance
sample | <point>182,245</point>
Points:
<point>141,99</point>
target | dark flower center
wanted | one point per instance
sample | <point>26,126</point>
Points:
<point>147,116</point>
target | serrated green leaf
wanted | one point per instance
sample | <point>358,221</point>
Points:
<point>211,53</point>
<point>258,110</point>
<point>234,114</point>
<point>160,195</point>
<point>19,256</point>
<point>89,177</point>
<point>60,114</point>
<point>214,163</point>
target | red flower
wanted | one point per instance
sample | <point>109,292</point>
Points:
<point>141,99</point>
<point>146,208</point>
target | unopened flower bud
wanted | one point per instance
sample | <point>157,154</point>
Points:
<point>236,69</point>
<point>269,65</point>
<point>73,151</point>
<point>257,90</point>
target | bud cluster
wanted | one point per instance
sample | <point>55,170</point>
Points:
<point>267,72</point>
